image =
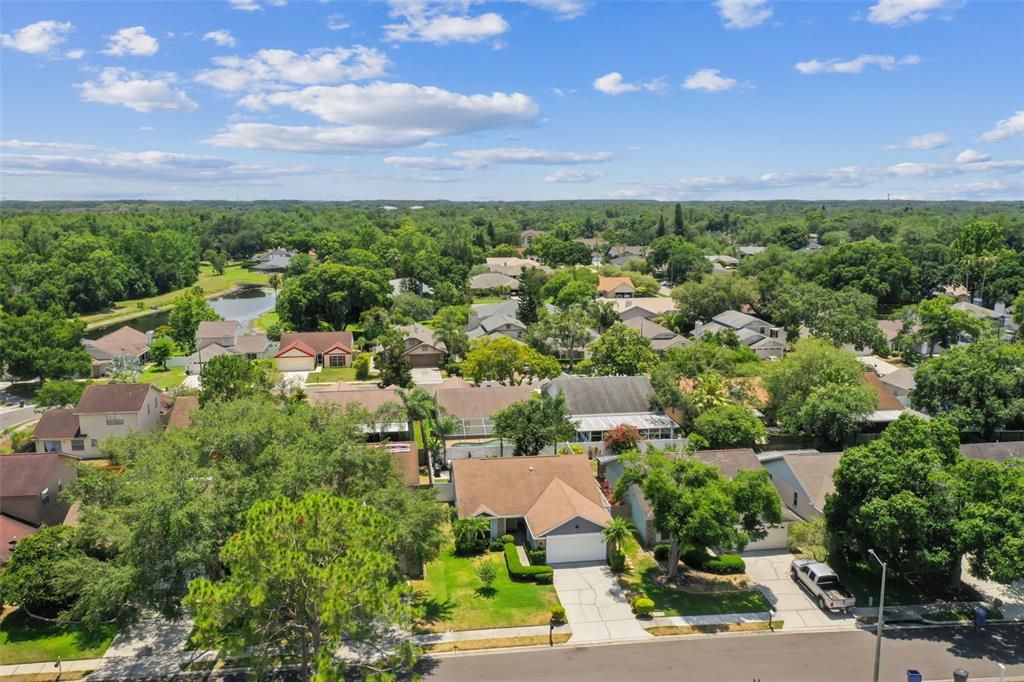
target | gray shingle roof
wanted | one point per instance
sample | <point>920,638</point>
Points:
<point>604,395</point>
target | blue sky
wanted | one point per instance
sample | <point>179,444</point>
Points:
<point>536,99</point>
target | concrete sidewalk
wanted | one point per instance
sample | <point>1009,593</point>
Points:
<point>492,633</point>
<point>717,619</point>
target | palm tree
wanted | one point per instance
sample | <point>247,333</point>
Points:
<point>18,439</point>
<point>616,533</point>
<point>444,425</point>
<point>419,406</point>
<point>471,531</point>
<point>123,369</point>
<point>710,390</point>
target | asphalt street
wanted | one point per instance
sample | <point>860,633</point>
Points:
<point>780,657</point>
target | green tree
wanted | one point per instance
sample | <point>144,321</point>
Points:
<point>941,324</point>
<point>975,249</point>
<point>711,390</point>
<point>362,366</point>
<point>681,259</point>
<point>230,377</point>
<point>487,573</point>
<point>834,412</point>
<point>530,301</point>
<point>187,311</point>
<point>42,344</point>
<point>419,406</point>
<point>661,225</point>
<point>712,295</point>
<point>59,393</point>
<point>791,235</point>
<point>311,576</point>
<point>161,349</point>
<point>678,227</point>
<point>730,426</point>
<point>393,366</point>
<point>123,369</point>
<point>409,305</point>
<point>535,424</point>
<point>508,362</point>
<point>34,578</point>
<point>695,506</point>
<point>622,350</point>
<point>872,267</point>
<point>813,363</point>
<point>617,533</point>
<point>331,294</point>
<point>450,329</point>
<point>575,293</point>
<point>217,259</point>
<point>603,313</point>
<point>569,331</point>
<point>470,534</point>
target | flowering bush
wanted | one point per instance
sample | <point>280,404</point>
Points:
<point>622,438</point>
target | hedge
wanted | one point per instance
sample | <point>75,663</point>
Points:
<point>538,574</point>
<point>507,538</point>
<point>537,557</point>
<point>661,552</point>
<point>726,564</point>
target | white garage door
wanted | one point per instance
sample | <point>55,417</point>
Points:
<point>563,549</point>
<point>777,538</point>
<point>303,363</point>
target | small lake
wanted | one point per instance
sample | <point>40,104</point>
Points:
<point>244,305</point>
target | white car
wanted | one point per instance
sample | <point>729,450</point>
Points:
<point>823,584</point>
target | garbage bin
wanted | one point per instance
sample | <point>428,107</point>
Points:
<point>979,616</point>
<point>914,676</point>
<point>959,675</point>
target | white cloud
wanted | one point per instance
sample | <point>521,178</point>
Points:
<point>132,41</point>
<point>483,158</point>
<point>74,54</point>
<point>740,14</point>
<point>131,89</point>
<point>430,23</point>
<point>613,84</point>
<point>245,5</point>
<point>1006,128</point>
<point>221,37</point>
<point>337,22</point>
<point>276,68</point>
<point>902,12</point>
<point>926,141</point>
<point>38,38</point>
<point>574,175</point>
<point>47,146</point>
<point>972,156</point>
<point>856,65</point>
<point>709,80</point>
<point>562,9</point>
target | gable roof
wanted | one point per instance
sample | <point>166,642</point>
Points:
<point>886,399</point>
<point>489,324</point>
<point>814,472</point>
<point>11,528</point>
<point>509,307</point>
<point>251,343</point>
<point>995,452</point>
<point>217,328</point>
<point>209,352</point>
<point>492,280</point>
<point>57,424</point>
<point>522,486</point>
<point>369,398</point>
<point>405,457</point>
<point>181,413</point>
<point>122,341</point>
<point>655,305</point>
<point>730,462</point>
<point>604,395</point>
<point>734,319</point>
<point>480,401</point>
<point>28,474</point>
<point>318,342</point>
<point>609,284</point>
<point>903,378</point>
<point>102,398</point>
<point>650,329</point>
<point>419,332</point>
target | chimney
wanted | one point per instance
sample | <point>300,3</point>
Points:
<point>999,308</point>
<point>698,328</point>
<point>149,337</point>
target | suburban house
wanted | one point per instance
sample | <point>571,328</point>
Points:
<point>745,251</point>
<point>30,489</point>
<point>196,361</point>
<point>554,502</point>
<point>276,260</point>
<point>998,316</point>
<point>994,452</point>
<point>761,337</point>
<point>422,347</point>
<point>513,266</point>
<point>405,458</point>
<point>510,308</point>
<point>615,287</point>
<point>181,412</point>
<point>386,415</point>
<point>104,410</point>
<point>647,307</point>
<point>729,462</point>
<point>305,351</point>
<point>598,405</point>
<point>473,407</point>
<point>492,281</point>
<point>123,341</point>
<point>802,478</point>
<point>723,263</point>
<point>228,334</point>
<point>888,407</point>
<point>496,325</point>
<point>661,338</point>
<point>528,236</point>
<point>893,329</point>
<point>620,255</point>
<point>900,383</point>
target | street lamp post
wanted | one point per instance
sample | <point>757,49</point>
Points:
<point>881,616</point>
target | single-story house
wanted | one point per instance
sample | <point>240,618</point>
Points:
<point>474,407</point>
<point>647,307</point>
<point>276,260</point>
<point>598,405</point>
<point>513,266</point>
<point>751,250</point>
<point>422,346</point>
<point>761,337</point>
<point>994,452</point>
<point>305,351</point>
<point>405,457</point>
<point>726,262</point>
<point>492,281</point>
<point>31,484</point>
<point>121,341</point>
<point>182,410</point>
<point>554,501</point>
<point>198,360</point>
<point>615,287</point>
<point>228,334</point>
<point>998,315</point>
<point>505,325</point>
<point>378,403</point>
<point>900,383</point>
<point>803,478</point>
<point>509,308</point>
<point>661,337</point>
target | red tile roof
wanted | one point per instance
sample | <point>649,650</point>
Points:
<point>318,342</point>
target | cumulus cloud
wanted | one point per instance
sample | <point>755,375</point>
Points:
<point>562,9</point>
<point>221,37</point>
<point>119,86</point>
<point>902,12</point>
<point>857,65</point>
<point>972,156</point>
<point>435,22</point>
<point>709,80</point>
<point>574,175</point>
<point>46,146</point>
<point>245,5</point>
<point>741,14</point>
<point>38,38</point>
<point>74,54</point>
<point>614,84</point>
<point>274,69</point>
<point>133,41</point>
<point>337,22</point>
<point>482,158</point>
<point>926,141</point>
<point>1006,128</point>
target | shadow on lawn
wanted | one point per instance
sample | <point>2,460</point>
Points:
<point>433,610</point>
<point>486,592</point>
<point>1001,642</point>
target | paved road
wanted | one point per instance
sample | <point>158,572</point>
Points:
<point>797,657</point>
<point>12,416</point>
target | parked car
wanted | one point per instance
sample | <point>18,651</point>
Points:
<point>823,584</point>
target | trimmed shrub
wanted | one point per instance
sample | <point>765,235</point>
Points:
<point>538,574</point>
<point>727,564</point>
<point>696,557</point>
<point>661,552</point>
<point>537,557</point>
<point>507,538</point>
<point>617,562</point>
<point>496,545</point>
<point>642,606</point>
<point>558,614</point>
<point>362,366</point>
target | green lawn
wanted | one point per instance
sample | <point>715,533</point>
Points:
<point>332,374</point>
<point>24,639</point>
<point>452,600</point>
<point>162,378</point>
<point>266,320</point>
<point>678,603</point>
<point>489,299</point>
<point>863,583</point>
<point>210,282</point>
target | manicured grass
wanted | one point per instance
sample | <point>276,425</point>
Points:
<point>266,320</point>
<point>452,599</point>
<point>210,282</point>
<point>489,299</point>
<point>642,578</point>
<point>666,630</point>
<point>165,379</point>
<point>864,584</point>
<point>331,374</point>
<point>498,643</point>
<point>24,639</point>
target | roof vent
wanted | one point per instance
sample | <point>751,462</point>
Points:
<point>531,467</point>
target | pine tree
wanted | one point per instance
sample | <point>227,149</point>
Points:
<point>661,225</point>
<point>529,303</point>
<point>678,224</point>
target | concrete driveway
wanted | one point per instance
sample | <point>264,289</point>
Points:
<point>597,610</point>
<point>770,570</point>
<point>426,376</point>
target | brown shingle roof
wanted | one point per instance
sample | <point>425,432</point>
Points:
<point>370,398</point>
<point>9,530</point>
<point>995,452</point>
<point>405,457</point>
<point>217,328</point>
<point>481,401</point>
<point>251,343</point>
<point>123,341</point>
<point>181,413</point>
<point>318,341</point>
<point>58,424</point>
<point>23,475</point>
<point>730,462</point>
<point>559,504</point>
<point>814,471</point>
<point>100,398</point>
<point>886,399</point>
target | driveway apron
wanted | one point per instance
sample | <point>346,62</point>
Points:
<point>595,606</point>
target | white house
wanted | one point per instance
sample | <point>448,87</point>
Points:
<point>305,351</point>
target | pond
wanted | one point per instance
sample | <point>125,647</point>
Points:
<point>244,305</point>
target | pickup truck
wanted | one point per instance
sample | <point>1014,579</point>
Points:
<point>823,584</point>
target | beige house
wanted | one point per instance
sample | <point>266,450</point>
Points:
<point>103,411</point>
<point>31,484</point>
<point>122,341</point>
<point>305,351</point>
<point>615,287</point>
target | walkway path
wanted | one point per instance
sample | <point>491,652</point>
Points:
<point>493,633</point>
<point>595,605</point>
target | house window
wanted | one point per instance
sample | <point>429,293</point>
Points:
<point>337,360</point>
<point>51,446</point>
<point>78,444</point>
<point>250,356</point>
<point>44,496</point>
<point>794,498</point>
<point>92,442</point>
<point>115,420</point>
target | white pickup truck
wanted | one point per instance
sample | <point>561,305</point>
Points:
<point>823,584</point>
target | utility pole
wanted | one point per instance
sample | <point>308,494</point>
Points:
<point>881,617</point>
